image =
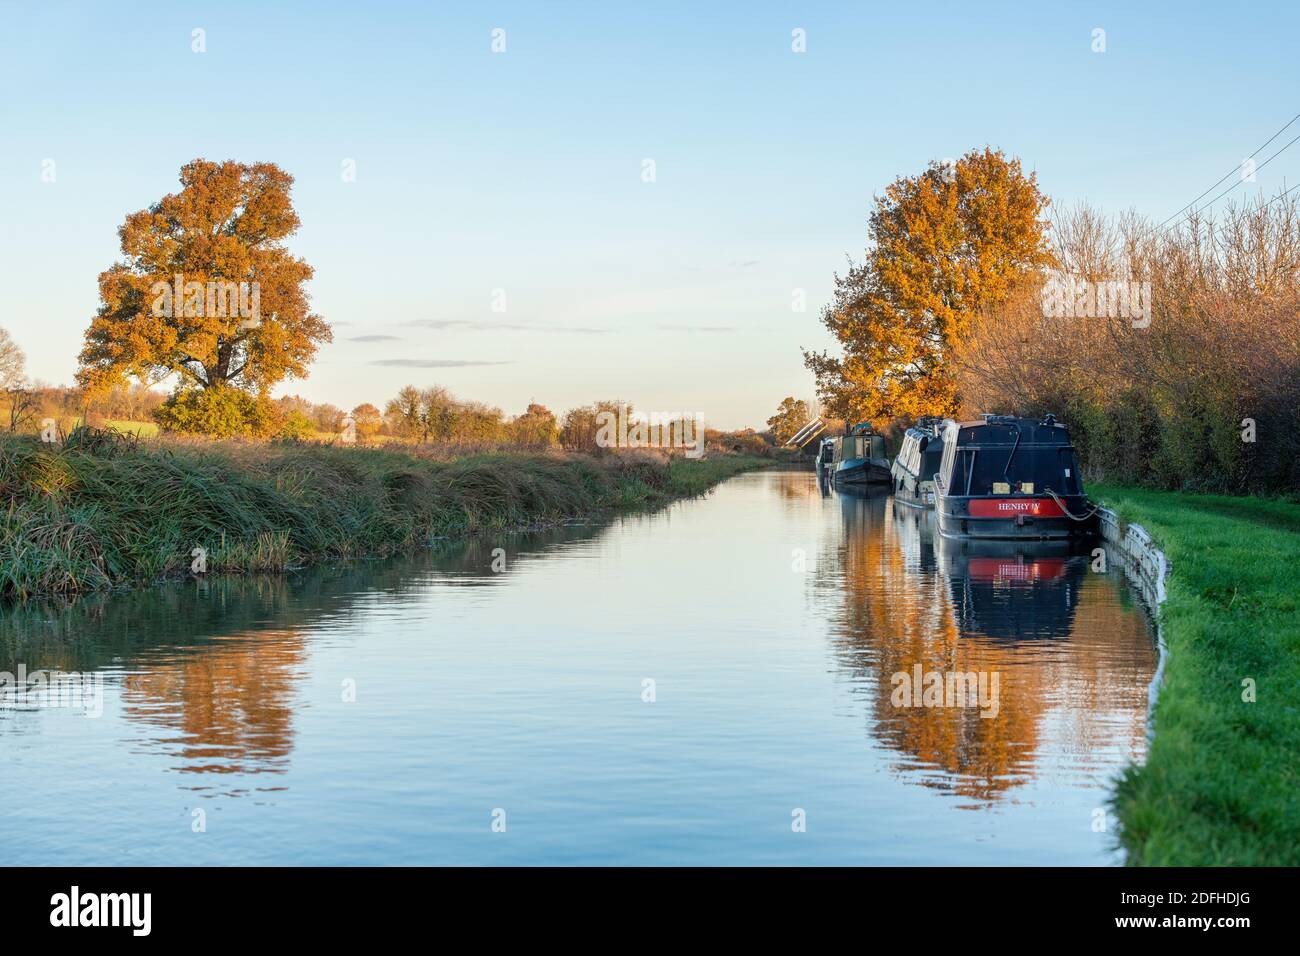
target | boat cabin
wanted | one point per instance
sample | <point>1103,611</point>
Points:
<point>918,461</point>
<point>1010,477</point>
<point>859,457</point>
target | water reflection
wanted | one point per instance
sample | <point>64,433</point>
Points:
<point>211,665</point>
<point>1067,655</point>
<point>225,709</point>
<point>516,679</point>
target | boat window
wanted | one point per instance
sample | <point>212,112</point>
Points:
<point>961,477</point>
<point>948,463</point>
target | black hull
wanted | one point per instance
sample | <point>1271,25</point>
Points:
<point>866,473</point>
<point>905,497</point>
<point>907,491</point>
<point>955,521</point>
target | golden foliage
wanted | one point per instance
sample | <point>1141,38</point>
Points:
<point>791,415</point>
<point>944,245</point>
<point>1163,398</point>
<point>227,224</point>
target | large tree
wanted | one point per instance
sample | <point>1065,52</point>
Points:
<point>944,246</point>
<point>368,419</point>
<point>791,415</point>
<point>19,401</point>
<point>175,305</point>
<point>12,363</point>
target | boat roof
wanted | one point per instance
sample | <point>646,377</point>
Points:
<point>1044,431</point>
<point>926,429</point>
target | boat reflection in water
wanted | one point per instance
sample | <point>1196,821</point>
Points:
<point>1055,658</point>
<point>375,711</point>
<point>1014,591</point>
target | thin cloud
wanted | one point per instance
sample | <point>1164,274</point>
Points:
<point>375,338</point>
<point>697,328</point>
<point>489,326</point>
<point>432,363</point>
<point>437,323</point>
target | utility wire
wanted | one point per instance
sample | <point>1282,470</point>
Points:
<point>1159,231</point>
<point>1232,187</point>
<point>1230,172</point>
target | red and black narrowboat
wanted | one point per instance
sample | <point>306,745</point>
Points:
<point>1009,477</point>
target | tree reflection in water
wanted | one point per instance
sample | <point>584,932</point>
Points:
<point>1071,658</point>
<point>211,664</point>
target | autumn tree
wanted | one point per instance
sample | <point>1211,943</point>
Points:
<point>791,415</point>
<point>581,425</point>
<point>405,415</point>
<point>944,246</point>
<point>207,290</point>
<point>368,420</point>
<point>328,418</point>
<point>536,427</point>
<point>291,404</point>
<point>423,414</point>
<point>476,423</point>
<point>20,404</point>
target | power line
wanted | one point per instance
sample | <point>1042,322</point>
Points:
<point>1236,184</point>
<point>1159,231</point>
<point>1230,172</point>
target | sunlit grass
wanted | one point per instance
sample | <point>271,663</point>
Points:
<point>1221,784</point>
<point>143,429</point>
<point>124,426</point>
<point>119,513</point>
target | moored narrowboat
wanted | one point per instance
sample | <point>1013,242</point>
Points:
<point>917,463</point>
<point>1009,477</point>
<point>825,459</point>
<point>858,458</point>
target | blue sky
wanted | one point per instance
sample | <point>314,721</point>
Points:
<point>522,171</point>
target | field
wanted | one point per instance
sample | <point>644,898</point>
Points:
<point>142,429</point>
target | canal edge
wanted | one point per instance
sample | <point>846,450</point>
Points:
<point>1147,568</point>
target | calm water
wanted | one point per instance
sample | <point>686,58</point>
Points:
<point>769,618</point>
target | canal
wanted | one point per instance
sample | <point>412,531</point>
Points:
<point>725,681</point>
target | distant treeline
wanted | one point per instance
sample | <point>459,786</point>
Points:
<point>423,416</point>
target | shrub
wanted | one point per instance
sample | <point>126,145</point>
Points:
<point>219,412</point>
<point>297,426</point>
<point>1204,395</point>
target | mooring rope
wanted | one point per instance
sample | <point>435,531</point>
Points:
<point>1061,504</point>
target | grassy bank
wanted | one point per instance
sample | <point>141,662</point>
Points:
<point>1221,785</point>
<point>113,513</point>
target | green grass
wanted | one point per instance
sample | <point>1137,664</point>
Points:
<point>125,426</point>
<point>143,429</point>
<point>113,512</point>
<point>1221,784</point>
